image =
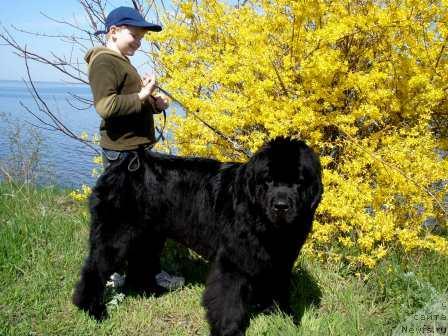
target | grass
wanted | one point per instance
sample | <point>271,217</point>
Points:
<point>43,236</point>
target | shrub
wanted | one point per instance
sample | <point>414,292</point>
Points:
<point>364,82</point>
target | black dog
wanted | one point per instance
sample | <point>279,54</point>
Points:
<point>249,220</point>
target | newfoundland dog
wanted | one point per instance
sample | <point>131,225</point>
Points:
<point>249,220</point>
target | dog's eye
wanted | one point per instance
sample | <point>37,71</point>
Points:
<point>297,185</point>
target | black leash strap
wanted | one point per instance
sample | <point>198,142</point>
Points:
<point>134,162</point>
<point>238,147</point>
<point>160,131</point>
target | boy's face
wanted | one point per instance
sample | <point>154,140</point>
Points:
<point>127,38</point>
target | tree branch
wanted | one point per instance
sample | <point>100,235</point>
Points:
<point>55,124</point>
<point>235,144</point>
<point>96,15</point>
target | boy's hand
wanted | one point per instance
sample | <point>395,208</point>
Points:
<point>162,102</point>
<point>146,78</point>
<point>149,84</point>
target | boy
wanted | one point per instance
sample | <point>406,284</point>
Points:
<point>123,99</point>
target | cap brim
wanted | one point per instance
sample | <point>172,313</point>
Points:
<point>140,24</point>
<point>144,24</point>
<point>153,27</point>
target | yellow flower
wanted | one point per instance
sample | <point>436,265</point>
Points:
<point>98,159</point>
<point>82,194</point>
<point>354,81</point>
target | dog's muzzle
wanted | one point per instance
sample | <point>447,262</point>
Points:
<point>281,203</point>
<point>280,206</point>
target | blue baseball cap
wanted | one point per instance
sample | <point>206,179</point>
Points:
<point>130,17</point>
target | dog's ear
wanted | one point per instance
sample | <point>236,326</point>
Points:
<point>244,188</point>
<point>250,184</point>
<point>316,193</point>
<point>313,173</point>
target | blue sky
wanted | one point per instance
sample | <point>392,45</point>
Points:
<point>27,15</point>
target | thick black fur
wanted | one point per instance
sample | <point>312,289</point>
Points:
<point>249,220</point>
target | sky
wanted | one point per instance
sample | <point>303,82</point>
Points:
<point>26,14</point>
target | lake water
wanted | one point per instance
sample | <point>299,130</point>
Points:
<point>66,162</point>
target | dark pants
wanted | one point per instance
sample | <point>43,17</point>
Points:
<point>110,156</point>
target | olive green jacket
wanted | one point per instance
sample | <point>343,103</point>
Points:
<point>126,122</point>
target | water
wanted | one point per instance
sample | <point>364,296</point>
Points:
<point>66,162</point>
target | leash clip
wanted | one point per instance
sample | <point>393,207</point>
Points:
<point>134,163</point>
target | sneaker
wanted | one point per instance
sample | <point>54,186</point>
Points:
<point>170,282</point>
<point>116,280</point>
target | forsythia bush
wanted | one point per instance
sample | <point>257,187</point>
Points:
<point>364,82</point>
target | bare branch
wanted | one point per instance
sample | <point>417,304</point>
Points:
<point>235,144</point>
<point>71,67</point>
<point>282,83</point>
<point>56,124</point>
<point>137,5</point>
<point>71,38</point>
<point>67,23</point>
<point>59,64</point>
<point>86,102</point>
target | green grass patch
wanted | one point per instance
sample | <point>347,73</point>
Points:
<point>43,241</point>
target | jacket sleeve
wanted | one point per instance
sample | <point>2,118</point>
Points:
<point>104,82</point>
<point>150,106</point>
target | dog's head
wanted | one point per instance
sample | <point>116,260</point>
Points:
<point>284,180</point>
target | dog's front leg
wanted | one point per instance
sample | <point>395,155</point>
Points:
<point>109,243</point>
<point>226,300</point>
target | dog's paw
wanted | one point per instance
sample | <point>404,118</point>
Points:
<point>95,310</point>
<point>98,312</point>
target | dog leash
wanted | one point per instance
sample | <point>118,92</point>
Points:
<point>237,146</point>
<point>134,163</point>
<point>161,130</point>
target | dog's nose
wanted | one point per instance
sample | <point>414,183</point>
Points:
<point>281,206</point>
